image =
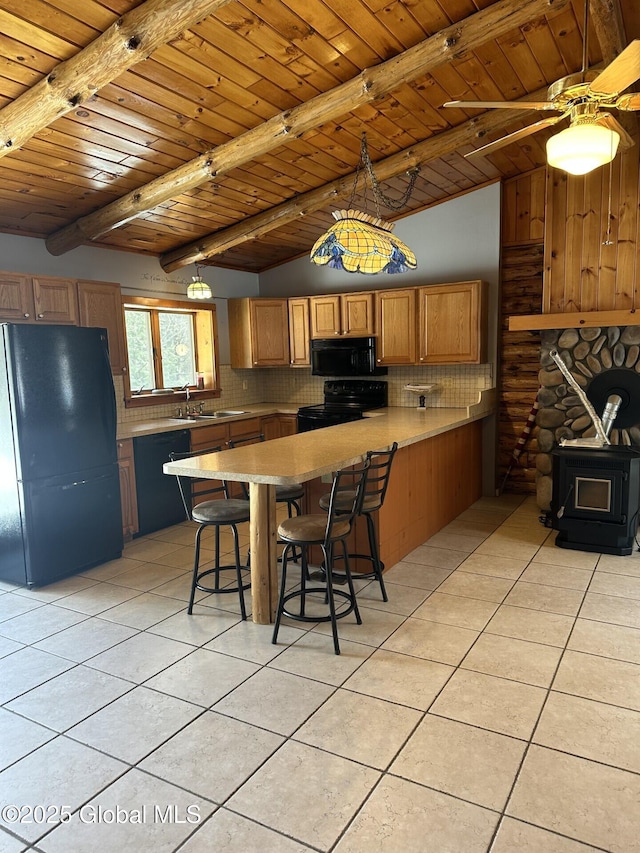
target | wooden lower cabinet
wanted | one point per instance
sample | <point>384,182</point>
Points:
<point>127,488</point>
<point>431,483</point>
<point>277,426</point>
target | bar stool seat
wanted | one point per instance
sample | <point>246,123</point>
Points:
<point>375,490</point>
<point>216,510</point>
<point>326,531</point>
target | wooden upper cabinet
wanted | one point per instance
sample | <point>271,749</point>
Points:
<point>100,304</point>
<point>38,299</point>
<point>258,332</point>
<point>16,298</point>
<point>299,353</point>
<point>55,300</point>
<point>325,316</point>
<point>452,322</point>
<point>349,314</point>
<point>396,326</point>
<point>357,314</point>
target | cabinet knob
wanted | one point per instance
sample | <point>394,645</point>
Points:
<point>40,316</point>
<point>421,358</point>
<point>26,315</point>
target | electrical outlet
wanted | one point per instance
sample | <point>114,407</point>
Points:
<point>245,384</point>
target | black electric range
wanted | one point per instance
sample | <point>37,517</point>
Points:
<point>344,400</point>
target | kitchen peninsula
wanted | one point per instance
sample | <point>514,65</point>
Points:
<point>436,475</point>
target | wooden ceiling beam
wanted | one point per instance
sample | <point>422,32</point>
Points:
<point>469,133</point>
<point>371,84</point>
<point>132,38</point>
<point>606,16</point>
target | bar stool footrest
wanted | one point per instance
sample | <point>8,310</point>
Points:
<point>372,575</point>
<point>337,593</point>
<point>232,568</point>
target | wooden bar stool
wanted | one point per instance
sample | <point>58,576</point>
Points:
<point>375,490</point>
<point>326,531</point>
<point>217,510</point>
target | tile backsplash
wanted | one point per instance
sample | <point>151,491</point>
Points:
<point>458,386</point>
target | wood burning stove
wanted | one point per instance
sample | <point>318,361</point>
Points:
<point>596,498</point>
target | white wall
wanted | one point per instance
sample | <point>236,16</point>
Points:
<point>139,275</point>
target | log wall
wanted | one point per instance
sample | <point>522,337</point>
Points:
<point>519,352</point>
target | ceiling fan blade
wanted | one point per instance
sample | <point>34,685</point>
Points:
<point>628,102</point>
<point>607,120</point>
<point>502,105</point>
<point>621,73</point>
<point>490,147</point>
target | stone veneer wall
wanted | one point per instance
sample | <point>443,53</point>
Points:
<point>586,352</point>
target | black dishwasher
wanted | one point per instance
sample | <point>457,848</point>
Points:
<point>159,501</point>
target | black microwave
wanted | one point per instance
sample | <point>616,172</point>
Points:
<point>345,357</point>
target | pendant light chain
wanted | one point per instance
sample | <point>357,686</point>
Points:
<point>379,196</point>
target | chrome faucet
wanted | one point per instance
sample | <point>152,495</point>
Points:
<point>185,388</point>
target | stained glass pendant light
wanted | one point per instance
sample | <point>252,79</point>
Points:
<point>198,289</point>
<point>358,242</point>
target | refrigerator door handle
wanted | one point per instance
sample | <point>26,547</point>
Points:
<point>82,482</point>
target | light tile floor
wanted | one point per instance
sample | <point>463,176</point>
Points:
<point>492,705</point>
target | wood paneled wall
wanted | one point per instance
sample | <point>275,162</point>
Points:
<point>589,266</point>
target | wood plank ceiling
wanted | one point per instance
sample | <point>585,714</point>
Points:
<point>247,63</point>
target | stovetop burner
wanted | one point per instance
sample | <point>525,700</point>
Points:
<point>344,400</point>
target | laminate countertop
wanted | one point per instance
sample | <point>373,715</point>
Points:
<point>410,416</point>
<point>134,429</point>
<point>304,456</point>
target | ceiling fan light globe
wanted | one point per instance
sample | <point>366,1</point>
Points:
<point>581,148</point>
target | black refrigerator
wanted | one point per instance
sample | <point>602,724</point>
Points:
<point>59,482</point>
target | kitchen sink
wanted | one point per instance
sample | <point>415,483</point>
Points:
<point>226,413</point>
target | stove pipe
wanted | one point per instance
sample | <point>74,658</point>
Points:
<point>610,412</point>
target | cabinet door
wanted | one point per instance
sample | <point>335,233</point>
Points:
<point>451,323</point>
<point>269,332</point>
<point>277,426</point>
<point>127,488</point>
<point>288,424</point>
<point>100,305</point>
<point>16,298</point>
<point>215,435</point>
<point>325,316</point>
<point>396,326</point>
<point>56,300</point>
<point>299,353</point>
<point>357,314</point>
<point>270,426</point>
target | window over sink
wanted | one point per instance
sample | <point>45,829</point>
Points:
<point>170,345</point>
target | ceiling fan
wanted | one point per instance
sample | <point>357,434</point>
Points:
<point>593,135</point>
